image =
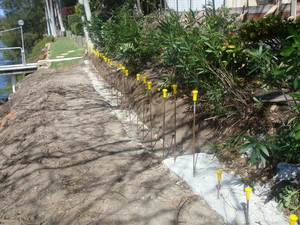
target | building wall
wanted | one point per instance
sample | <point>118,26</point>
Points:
<point>241,3</point>
<point>261,10</point>
<point>186,5</point>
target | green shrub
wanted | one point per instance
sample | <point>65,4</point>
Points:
<point>77,28</point>
<point>288,72</point>
<point>74,18</point>
<point>288,142</point>
<point>79,10</point>
<point>37,48</point>
<point>269,30</point>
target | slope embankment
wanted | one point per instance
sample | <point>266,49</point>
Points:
<point>65,158</point>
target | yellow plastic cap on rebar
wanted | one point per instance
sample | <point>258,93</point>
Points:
<point>145,80</point>
<point>138,76</point>
<point>219,173</point>
<point>175,86</point>
<point>248,192</point>
<point>195,94</point>
<point>126,73</point>
<point>149,85</point>
<point>164,92</point>
<point>293,219</point>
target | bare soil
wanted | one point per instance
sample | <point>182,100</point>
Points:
<point>258,121</point>
<point>67,159</point>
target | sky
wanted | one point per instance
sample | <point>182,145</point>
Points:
<point>1,12</point>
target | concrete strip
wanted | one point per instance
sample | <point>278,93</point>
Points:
<point>59,60</point>
<point>232,203</point>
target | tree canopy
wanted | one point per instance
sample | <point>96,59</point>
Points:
<point>32,13</point>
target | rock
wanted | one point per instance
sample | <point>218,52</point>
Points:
<point>287,171</point>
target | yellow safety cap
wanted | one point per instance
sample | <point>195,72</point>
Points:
<point>126,73</point>
<point>293,219</point>
<point>248,192</point>
<point>138,76</point>
<point>219,173</point>
<point>149,85</point>
<point>164,92</point>
<point>175,86</point>
<point>195,94</point>
<point>145,80</point>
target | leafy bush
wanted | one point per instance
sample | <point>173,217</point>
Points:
<point>289,197</point>
<point>269,30</point>
<point>261,149</point>
<point>206,54</point>
<point>74,18</point>
<point>75,23</point>
<point>288,142</point>
<point>79,10</point>
<point>290,62</point>
<point>77,28</point>
<point>262,64</point>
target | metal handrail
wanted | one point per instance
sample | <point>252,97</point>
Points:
<point>10,48</point>
<point>2,31</point>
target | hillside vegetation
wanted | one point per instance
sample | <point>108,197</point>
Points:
<point>223,59</point>
<point>228,62</point>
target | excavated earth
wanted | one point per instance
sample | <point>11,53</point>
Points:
<point>66,158</point>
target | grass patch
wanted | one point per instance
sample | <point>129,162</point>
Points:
<point>63,64</point>
<point>63,46</point>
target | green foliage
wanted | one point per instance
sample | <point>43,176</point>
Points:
<point>230,142</point>
<point>32,12</point>
<point>79,10</point>
<point>95,28</point>
<point>74,18</point>
<point>124,37</point>
<point>215,97</point>
<point>75,23</point>
<point>39,45</point>
<point>261,149</point>
<point>285,145</point>
<point>269,30</point>
<point>261,64</point>
<point>289,197</point>
<point>105,9</point>
<point>288,142</point>
<point>206,54</point>
<point>77,28</point>
<point>289,71</point>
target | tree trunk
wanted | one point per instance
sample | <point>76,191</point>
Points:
<point>87,10</point>
<point>50,16</point>
<point>50,13</point>
<point>59,17</point>
<point>138,6</point>
<point>88,14</point>
<point>47,19</point>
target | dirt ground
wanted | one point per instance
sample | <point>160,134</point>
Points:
<point>67,159</point>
